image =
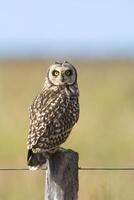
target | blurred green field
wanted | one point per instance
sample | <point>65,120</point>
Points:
<point>104,135</point>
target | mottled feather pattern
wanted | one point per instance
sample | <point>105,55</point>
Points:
<point>52,116</point>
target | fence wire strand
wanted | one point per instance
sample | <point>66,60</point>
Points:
<point>80,168</point>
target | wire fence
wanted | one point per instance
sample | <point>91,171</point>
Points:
<point>80,168</point>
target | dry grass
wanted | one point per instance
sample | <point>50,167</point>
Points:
<point>103,137</point>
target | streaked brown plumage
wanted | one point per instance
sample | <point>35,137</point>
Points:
<point>53,113</point>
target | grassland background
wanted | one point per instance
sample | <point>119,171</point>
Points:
<point>104,135</point>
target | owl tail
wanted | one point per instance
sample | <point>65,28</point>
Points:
<point>36,160</point>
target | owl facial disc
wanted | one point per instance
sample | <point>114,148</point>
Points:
<point>62,74</point>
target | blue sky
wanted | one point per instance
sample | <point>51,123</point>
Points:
<point>73,27</point>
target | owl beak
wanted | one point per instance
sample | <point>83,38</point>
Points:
<point>62,79</point>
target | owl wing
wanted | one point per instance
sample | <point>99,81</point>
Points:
<point>45,113</point>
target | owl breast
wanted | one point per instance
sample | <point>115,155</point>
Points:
<point>53,115</point>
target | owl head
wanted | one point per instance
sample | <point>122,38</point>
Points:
<point>62,74</point>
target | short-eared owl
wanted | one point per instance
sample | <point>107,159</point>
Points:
<point>53,113</point>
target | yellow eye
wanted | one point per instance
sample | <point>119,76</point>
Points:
<point>69,72</point>
<point>55,73</point>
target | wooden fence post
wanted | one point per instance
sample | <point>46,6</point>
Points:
<point>62,176</point>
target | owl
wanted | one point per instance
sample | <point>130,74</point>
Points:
<point>53,113</point>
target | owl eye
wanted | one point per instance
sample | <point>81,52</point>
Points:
<point>69,72</point>
<point>55,73</point>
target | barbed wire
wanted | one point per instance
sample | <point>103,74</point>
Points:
<point>80,168</point>
<point>107,168</point>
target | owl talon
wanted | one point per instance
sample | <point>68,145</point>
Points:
<point>33,168</point>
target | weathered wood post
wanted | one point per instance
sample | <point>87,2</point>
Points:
<point>62,176</point>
